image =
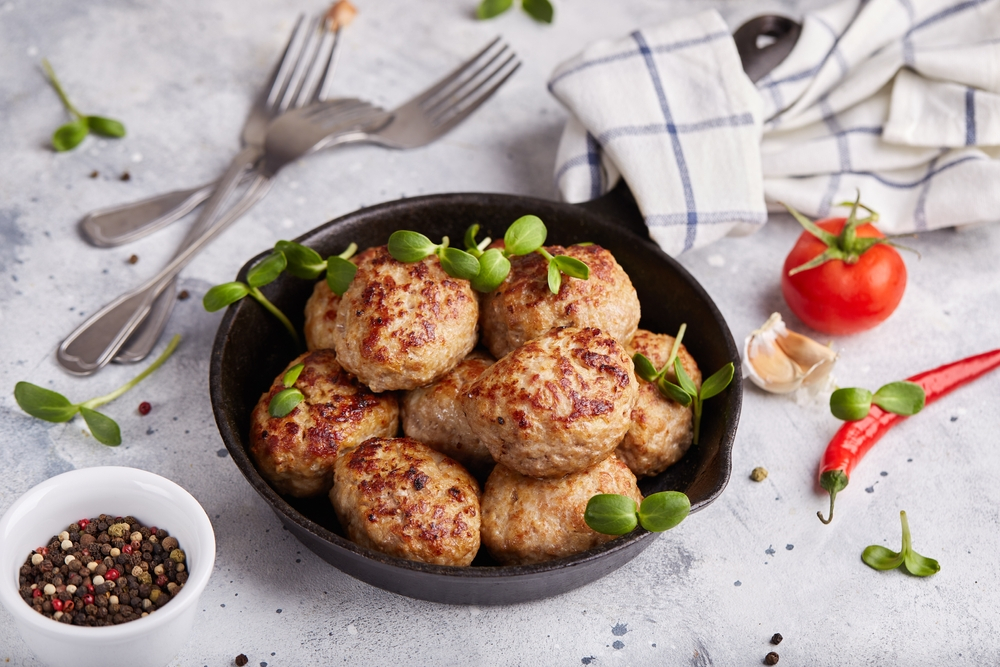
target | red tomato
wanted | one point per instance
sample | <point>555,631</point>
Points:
<point>840,298</point>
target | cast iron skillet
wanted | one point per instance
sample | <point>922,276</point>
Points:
<point>251,348</point>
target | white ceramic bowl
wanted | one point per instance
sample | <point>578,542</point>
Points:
<point>50,507</point>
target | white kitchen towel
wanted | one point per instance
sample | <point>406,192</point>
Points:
<point>897,99</point>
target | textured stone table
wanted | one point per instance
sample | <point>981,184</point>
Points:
<point>181,76</point>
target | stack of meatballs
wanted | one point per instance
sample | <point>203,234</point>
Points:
<point>549,414</point>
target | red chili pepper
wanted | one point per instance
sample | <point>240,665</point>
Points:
<point>853,440</point>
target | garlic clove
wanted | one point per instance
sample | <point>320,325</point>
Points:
<point>780,361</point>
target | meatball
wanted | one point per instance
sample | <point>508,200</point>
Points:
<point>662,428</point>
<point>528,520</point>
<point>556,405</point>
<point>433,415</point>
<point>400,497</point>
<point>523,307</point>
<point>296,452</point>
<point>321,313</point>
<point>401,326</point>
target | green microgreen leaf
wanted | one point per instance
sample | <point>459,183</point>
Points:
<point>664,510</point>
<point>284,402</point>
<point>901,398</point>
<point>851,403</point>
<point>339,274</point>
<point>540,10</point>
<point>644,367</point>
<point>69,136</point>
<point>43,403</point>
<point>106,127</point>
<point>555,278</point>
<point>881,558</point>
<point>526,235</point>
<point>717,382</point>
<point>406,246</point>
<point>222,295</point>
<point>103,428</point>
<point>50,406</point>
<point>493,269</point>
<point>490,8</point>
<point>572,267</point>
<point>672,391</point>
<point>683,379</point>
<point>471,246</point>
<point>302,262</point>
<point>611,514</point>
<point>458,263</point>
<point>267,270</point>
<point>292,374</point>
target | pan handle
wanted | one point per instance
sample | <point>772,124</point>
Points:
<point>618,204</point>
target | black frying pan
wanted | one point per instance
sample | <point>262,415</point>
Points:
<point>251,348</point>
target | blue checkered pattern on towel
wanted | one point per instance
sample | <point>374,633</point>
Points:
<point>899,99</point>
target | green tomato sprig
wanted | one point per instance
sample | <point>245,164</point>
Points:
<point>540,10</point>
<point>526,235</point>
<point>54,407</point>
<point>285,400</point>
<point>846,246</point>
<point>69,136</point>
<point>299,261</point>
<point>615,514</point>
<point>685,391</point>
<point>881,558</point>
<point>901,398</point>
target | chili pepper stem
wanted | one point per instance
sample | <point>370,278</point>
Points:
<point>833,481</point>
<point>263,300</point>
<point>107,398</point>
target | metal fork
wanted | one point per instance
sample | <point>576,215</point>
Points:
<point>309,58</point>
<point>300,76</point>
<point>294,134</point>
<point>116,225</point>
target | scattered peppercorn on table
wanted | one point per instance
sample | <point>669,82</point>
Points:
<point>725,587</point>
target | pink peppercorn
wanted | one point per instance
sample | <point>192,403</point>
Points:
<point>161,580</point>
<point>37,593</point>
<point>83,523</point>
<point>57,604</point>
<point>127,549</point>
<point>88,599</point>
<point>112,574</point>
<point>144,408</point>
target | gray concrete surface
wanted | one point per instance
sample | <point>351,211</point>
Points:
<point>712,592</point>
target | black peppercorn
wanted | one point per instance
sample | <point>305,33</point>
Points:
<point>771,658</point>
<point>776,638</point>
<point>241,660</point>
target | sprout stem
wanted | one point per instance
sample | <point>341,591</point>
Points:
<point>262,300</point>
<point>51,73</point>
<point>107,398</point>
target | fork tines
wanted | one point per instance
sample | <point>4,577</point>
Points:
<point>462,91</point>
<point>309,59</point>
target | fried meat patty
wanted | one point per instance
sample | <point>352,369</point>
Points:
<point>523,307</point>
<point>528,520</point>
<point>662,428</point>
<point>295,453</point>
<point>434,416</point>
<point>400,497</point>
<point>556,405</point>
<point>321,314</point>
<point>402,326</point>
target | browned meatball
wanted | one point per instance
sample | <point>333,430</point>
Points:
<point>401,326</point>
<point>400,497</point>
<point>296,452</point>
<point>528,520</point>
<point>321,313</point>
<point>523,307</point>
<point>556,405</point>
<point>434,416</point>
<point>662,428</point>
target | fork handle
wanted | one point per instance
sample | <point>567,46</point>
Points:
<point>113,226</point>
<point>98,339</point>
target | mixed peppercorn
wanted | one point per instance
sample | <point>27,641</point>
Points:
<point>103,571</point>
